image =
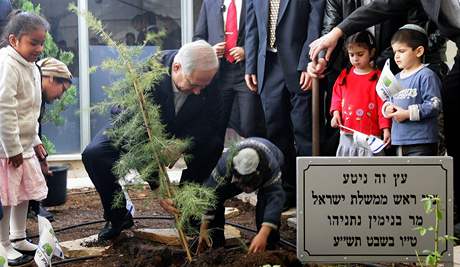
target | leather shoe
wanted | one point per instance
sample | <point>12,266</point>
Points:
<point>42,211</point>
<point>113,229</point>
<point>20,261</point>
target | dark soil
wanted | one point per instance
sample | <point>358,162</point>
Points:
<point>229,258</point>
<point>84,206</point>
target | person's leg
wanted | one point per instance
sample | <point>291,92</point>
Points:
<point>14,257</point>
<point>216,226</point>
<point>18,229</point>
<point>226,87</point>
<point>99,157</point>
<point>252,121</point>
<point>277,108</point>
<point>418,150</point>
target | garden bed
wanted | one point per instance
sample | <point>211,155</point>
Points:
<point>84,206</point>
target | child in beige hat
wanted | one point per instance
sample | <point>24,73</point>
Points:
<point>56,78</point>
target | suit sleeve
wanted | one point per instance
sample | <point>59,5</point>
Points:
<point>201,29</point>
<point>332,16</point>
<point>251,43</point>
<point>374,13</point>
<point>315,20</point>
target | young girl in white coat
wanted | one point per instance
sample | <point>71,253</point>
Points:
<point>21,178</point>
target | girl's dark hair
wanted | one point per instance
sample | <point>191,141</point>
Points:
<point>21,23</point>
<point>411,38</point>
<point>363,39</point>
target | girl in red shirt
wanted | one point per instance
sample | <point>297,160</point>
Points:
<point>355,103</point>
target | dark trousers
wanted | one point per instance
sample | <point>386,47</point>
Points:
<point>288,121</point>
<point>242,109</point>
<point>216,226</point>
<point>451,99</point>
<point>100,156</point>
<point>417,150</point>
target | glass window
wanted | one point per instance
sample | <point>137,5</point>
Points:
<point>64,29</point>
<point>128,22</point>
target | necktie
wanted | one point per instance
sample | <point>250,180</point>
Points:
<point>272,21</point>
<point>231,31</point>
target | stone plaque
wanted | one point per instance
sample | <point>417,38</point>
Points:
<point>365,209</point>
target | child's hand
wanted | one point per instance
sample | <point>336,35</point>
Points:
<point>336,121</point>
<point>399,114</point>
<point>259,243</point>
<point>389,109</point>
<point>16,161</point>
<point>386,136</point>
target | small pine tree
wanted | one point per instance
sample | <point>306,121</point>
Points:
<point>138,132</point>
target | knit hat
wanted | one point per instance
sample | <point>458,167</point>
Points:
<point>55,68</point>
<point>246,161</point>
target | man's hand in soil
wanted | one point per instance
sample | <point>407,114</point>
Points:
<point>259,243</point>
<point>168,205</point>
<point>203,242</point>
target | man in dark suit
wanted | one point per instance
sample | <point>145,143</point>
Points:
<point>222,24</point>
<point>5,9</point>
<point>277,36</point>
<point>189,108</point>
<point>445,15</point>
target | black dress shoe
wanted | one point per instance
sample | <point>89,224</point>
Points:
<point>42,211</point>
<point>113,229</point>
<point>20,261</point>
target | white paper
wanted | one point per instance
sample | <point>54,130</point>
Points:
<point>387,85</point>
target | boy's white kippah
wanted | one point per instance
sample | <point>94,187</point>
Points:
<point>246,161</point>
<point>413,27</point>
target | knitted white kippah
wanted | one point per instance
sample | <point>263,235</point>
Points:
<point>246,161</point>
<point>413,27</point>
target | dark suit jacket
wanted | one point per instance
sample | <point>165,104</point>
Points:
<point>200,114</point>
<point>299,23</point>
<point>210,25</point>
<point>5,9</point>
<point>380,10</point>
